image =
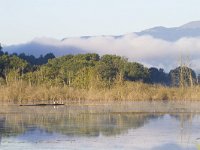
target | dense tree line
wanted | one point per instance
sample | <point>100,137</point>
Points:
<point>86,71</point>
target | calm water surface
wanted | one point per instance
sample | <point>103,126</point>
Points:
<point>130,125</point>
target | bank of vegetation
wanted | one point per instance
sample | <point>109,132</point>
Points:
<point>24,78</point>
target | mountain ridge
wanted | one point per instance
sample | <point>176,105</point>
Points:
<point>188,30</point>
<point>193,24</point>
<point>191,29</point>
<point>150,47</point>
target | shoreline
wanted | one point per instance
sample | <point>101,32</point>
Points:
<point>115,108</point>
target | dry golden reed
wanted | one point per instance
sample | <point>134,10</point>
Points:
<point>128,91</point>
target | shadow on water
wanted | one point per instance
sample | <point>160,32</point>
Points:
<point>171,146</point>
<point>2,127</point>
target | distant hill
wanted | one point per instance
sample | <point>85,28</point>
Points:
<point>37,48</point>
<point>60,47</point>
<point>191,29</point>
<point>158,46</point>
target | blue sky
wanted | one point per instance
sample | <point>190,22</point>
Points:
<point>23,20</point>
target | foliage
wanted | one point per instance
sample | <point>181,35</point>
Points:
<point>135,71</point>
<point>86,71</point>
<point>12,67</point>
<point>158,76</point>
<point>182,76</point>
<point>32,60</point>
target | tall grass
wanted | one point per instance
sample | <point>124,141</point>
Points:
<point>21,92</point>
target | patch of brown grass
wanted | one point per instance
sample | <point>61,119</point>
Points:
<point>21,92</point>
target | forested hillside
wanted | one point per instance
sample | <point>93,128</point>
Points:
<point>86,70</point>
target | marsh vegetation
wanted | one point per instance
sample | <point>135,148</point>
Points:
<point>25,78</point>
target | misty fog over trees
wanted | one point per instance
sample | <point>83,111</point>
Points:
<point>82,70</point>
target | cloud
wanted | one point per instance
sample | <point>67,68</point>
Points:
<point>145,49</point>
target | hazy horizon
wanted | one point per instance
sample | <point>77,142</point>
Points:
<point>23,20</point>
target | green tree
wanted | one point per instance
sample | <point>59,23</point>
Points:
<point>182,76</point>
<point>12,67</point>
<point>1,52</point>
<point>135,71</point>
<point>110,66</point>
<point>158,76</point>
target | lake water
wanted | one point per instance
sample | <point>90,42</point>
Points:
<point>115,126</point>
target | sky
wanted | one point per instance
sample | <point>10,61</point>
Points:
<point>24,20</point>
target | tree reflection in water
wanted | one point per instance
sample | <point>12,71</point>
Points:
<point>76,120</point>
<point>2,127</point>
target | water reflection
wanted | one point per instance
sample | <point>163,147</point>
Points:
<point>98,127</point>
<point>68,122</point>
<point>2,127</point>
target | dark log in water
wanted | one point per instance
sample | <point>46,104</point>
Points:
<point>41,104</point>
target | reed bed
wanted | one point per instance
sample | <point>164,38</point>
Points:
<point>21,92</point>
